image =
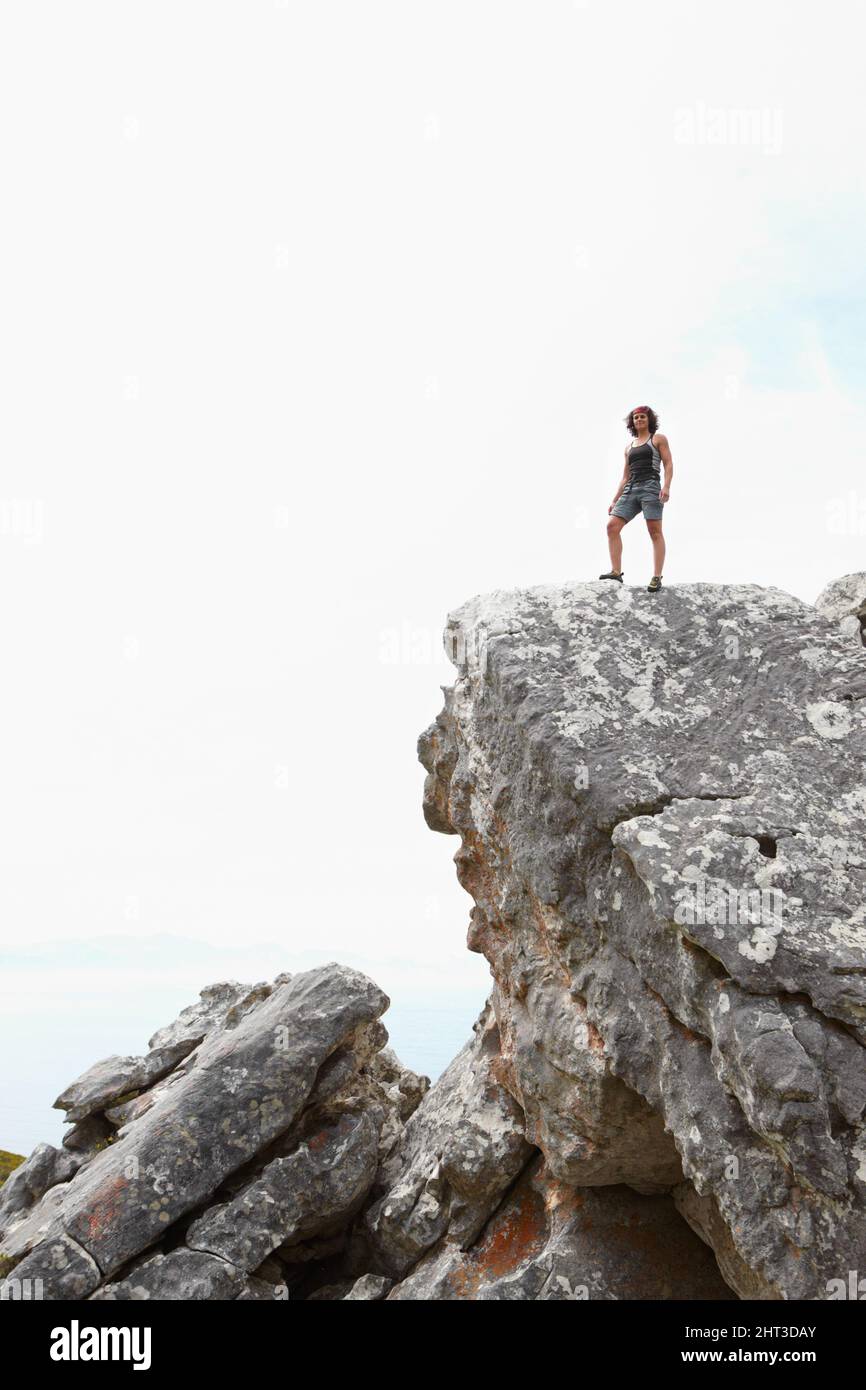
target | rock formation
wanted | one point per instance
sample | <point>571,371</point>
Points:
<point>845,600</point>
<point>239,1148</point>
<point>661,803</point>
<point>289,1154</point>
<point>661,808</point>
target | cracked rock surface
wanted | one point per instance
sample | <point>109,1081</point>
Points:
<point>844,600</point>
<point>381,1186</point>
<point>661,801</point>
<point>457,1156</point>
<point>261,1138</point>
<point>552,1241</point>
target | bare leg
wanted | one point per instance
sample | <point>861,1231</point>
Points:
<point>614,542</point>
<point>658,540</point>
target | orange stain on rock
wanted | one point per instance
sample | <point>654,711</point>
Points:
<point>512,1239</point>
<point>106,1208</point>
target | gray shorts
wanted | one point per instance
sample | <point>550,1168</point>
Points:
<point>640,497</point>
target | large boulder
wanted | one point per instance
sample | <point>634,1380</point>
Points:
<point>264,1132</point>
<point>661,801</point>
<point>44,1168</point>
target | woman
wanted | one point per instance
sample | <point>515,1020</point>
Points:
<point>640,490</point>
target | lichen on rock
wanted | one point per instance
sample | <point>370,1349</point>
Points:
<point>661,803</point>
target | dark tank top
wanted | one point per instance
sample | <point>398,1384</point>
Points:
<point>644,462</point>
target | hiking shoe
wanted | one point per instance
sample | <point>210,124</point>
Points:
<point>654,584</point>
<point>612,574</point>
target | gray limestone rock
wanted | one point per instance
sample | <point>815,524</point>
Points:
<point>368,1288</point>
<point>702,1214</point>
<point>107,1081</point>
<point>45,1167</point>
<point>88,1136</point>
<point>461,1148</point>
<point>551,1241</point>
<point>59,1269</point>
<point>405,1086</point>
<point>322,1183</point>
<point>256,1075</point>
<point>262,1291</point>
<point>218,1006</point>
<point>103,1086</point>
<point>331,1293</point>
<point>844,601</point>
<point>36,1224</point>
<point>184,1275</point>
<point>661,801</point>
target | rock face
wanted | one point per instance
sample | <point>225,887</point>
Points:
<point>377,1186</point>
<point>259,1138</point>
<point>45,1167</point>
<point>661,801</point>
<point>552,1241</point>
<point>470,1210</point>
<point>455,1160</point>
<point>845,601</point>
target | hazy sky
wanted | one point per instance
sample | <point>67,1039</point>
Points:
<point>320,318</point>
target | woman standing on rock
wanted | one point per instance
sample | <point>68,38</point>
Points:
<point>640,490</point>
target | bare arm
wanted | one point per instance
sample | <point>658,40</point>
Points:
<point>664,449</point>
<point>622,482</point>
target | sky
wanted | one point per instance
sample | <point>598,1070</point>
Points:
<point>319,319</point>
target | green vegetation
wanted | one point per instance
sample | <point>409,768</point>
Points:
<point>7,1163</point>
<point>104,1143</point>
<point>8,1262</point>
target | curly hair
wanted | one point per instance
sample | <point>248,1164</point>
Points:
<point>652,421</point>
